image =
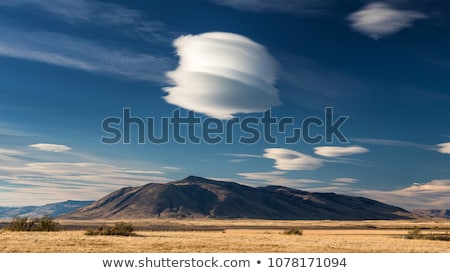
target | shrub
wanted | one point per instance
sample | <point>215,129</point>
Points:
<point>293,231</point>
<point>435,235</point>
<point>415,233</point>
<point>44,223</point>
<point>438,236</point>
<point>119,229</point>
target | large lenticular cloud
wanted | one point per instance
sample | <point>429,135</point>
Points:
<point>221,74</point>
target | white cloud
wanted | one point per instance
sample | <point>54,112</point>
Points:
<point>444,148</point>
<point>275,178</point>
<point>304,7</point>
<point>77,53</point>
<point>379,19</point>
<point>221,74</point>
<point>50,147</point>
<point>289,160</point>
<point>346,180</point>
<point>335,151</point>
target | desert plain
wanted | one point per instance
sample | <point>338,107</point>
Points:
<point>242,235</point>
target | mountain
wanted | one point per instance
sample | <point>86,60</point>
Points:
<point>200,197</point>
<point>439,213</point>
<point>54,210</point>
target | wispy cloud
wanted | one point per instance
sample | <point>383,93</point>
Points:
<point>390,142</point>
<point>140,172</point>
<point>77,53</point>
<point>443,148</point>
<point>89,54</point>
<point>10,152</point>
<point>50,147</point>
<point>243,155</point>
<point>380,19</point>
<point>100,14</point>
<point>336,151</point>
<point>298,7</point>
<point>239,158</point>
<point>221,74</point>
<point>171,168</point>
<point>9,157</point>
<point>8,130</point>
<point>290,160</point>
<point>81,10</point>
<point>28,177</point>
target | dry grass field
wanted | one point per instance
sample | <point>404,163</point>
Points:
<point>233,236</point>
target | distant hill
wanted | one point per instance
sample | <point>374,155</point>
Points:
<point>54,210</point>
<point>439,213</point>
<point>200,197</point>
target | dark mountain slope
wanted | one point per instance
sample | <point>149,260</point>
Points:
<point>200,197</point>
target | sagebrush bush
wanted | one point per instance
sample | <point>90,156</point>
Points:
<point>415,233</point>
<point>435,235</point>
<point>293,231</point>
<point>44,223</point>
<point>119,229</point>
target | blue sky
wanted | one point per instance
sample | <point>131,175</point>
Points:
<point>67,65</point>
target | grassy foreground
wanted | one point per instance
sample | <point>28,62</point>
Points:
<point>232,236</point>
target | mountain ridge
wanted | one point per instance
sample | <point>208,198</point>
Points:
<point>198,197</point>
<point>52,209</point>
<point>433,213</point>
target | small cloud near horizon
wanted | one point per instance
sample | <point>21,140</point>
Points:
<point>290,160</point>
<point>171,168</point>
<point>335,151</point>
<point>346,180</point>
<point>50,147</point>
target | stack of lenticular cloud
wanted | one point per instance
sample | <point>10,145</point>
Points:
<point>221,74</point>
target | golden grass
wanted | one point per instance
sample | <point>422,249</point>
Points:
<point>238,236</point>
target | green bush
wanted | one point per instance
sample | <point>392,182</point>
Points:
<point>44,223</point>
<point>119,229</point>
<point>293,231</point>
